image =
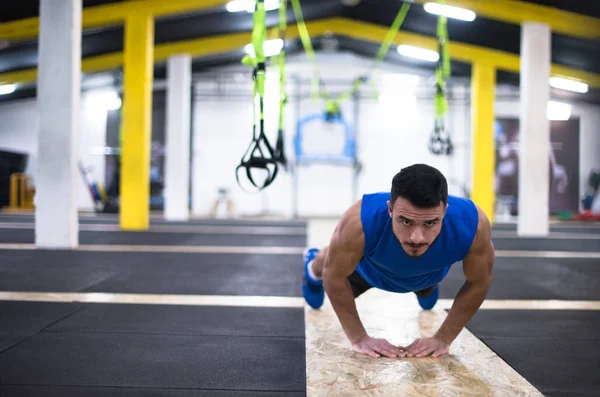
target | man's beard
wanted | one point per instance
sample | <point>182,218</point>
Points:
<point>414,249</point>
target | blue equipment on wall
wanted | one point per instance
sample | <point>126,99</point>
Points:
<point>348,154</point>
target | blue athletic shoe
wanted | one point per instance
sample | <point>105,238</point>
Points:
<point>312,289</point>
<point>428,302</point>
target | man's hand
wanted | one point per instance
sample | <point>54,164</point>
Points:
<point>375,347</point>
<point>424,347</point>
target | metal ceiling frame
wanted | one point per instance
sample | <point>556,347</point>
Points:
<point>111,14</point>
<point>511,11</point>
<point>340,26</point>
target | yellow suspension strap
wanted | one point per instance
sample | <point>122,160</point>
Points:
<point>387,42</point>
<point>255,157</point>
<point>332,106</point>
<point>308,48</point>
<point>440,142</point>
<point>279,145</point>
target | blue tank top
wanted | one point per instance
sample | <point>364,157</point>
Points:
<point>385,264</point>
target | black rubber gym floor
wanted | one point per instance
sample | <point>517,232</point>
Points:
<point>567,227</point>
<point>114,220</point>
<point>556,351</point>
<point>27,236</point>
<point>102,349</point>
<point>535,278</point>
<point>149,272</point>
<point>152,346</point>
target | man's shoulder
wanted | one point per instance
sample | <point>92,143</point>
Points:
<point>349,230</point>
<point>461,209</point>
<point>483,233</point>
<point>461,224</point>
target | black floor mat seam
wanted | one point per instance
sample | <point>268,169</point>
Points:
<point>77,310</point>
<point>89,288</point>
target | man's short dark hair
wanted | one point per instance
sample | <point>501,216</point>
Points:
<point>422,185</point>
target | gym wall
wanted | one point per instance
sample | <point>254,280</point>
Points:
<point>391,134</point>
<point>19,128</point>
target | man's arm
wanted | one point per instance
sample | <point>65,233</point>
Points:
<point>477,267</point>
<point>343,255</point>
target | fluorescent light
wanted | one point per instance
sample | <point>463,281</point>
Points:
<point>569,85</point>
<point>558,111</point>
<point>7,89</point>
<point>271,47</point>
<point>451,12</point>
<point>248,5</point>
<point>418,53</point>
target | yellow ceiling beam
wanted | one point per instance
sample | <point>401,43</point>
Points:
<point>517,12</point>
<point>341,26</point>
<point>110,14</point>
<point>458,51</point>
<point>511,11</point>
<point>88,65</point>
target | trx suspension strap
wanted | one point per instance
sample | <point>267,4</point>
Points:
<point>440,142</point>
<point>255,157</point>
<point>332,106</point>
<point>389,38</point>
<point>279,145</point>
<point>306,43</point>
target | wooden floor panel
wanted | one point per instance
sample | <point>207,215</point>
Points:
<point>333,369</point>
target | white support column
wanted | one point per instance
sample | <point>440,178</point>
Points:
<point>178,132</point>
<point>534,135</point>
<point>58,97</point>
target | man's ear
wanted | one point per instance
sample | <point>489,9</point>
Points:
<point>389,204</point>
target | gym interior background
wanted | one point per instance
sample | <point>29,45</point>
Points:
<point>167,82</point>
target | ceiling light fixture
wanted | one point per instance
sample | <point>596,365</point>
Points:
<point>7,89</point>
<point>418,53</point>
<point>451,12</point>
<point>248,5</point>
<point>569,85</point>
<point>270,47</point>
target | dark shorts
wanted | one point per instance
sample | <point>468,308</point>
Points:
<point>360,286</point>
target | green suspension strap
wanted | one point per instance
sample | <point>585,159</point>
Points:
<point>387,42</point>
<point>254,157</point>
<point>332,106</point>
<point>279,145</point>
<point>440,142</point>
<point>308,48</point>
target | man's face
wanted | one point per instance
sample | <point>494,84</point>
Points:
<point>415,228</point>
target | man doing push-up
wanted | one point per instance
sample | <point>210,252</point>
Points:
<point>404,241</point>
